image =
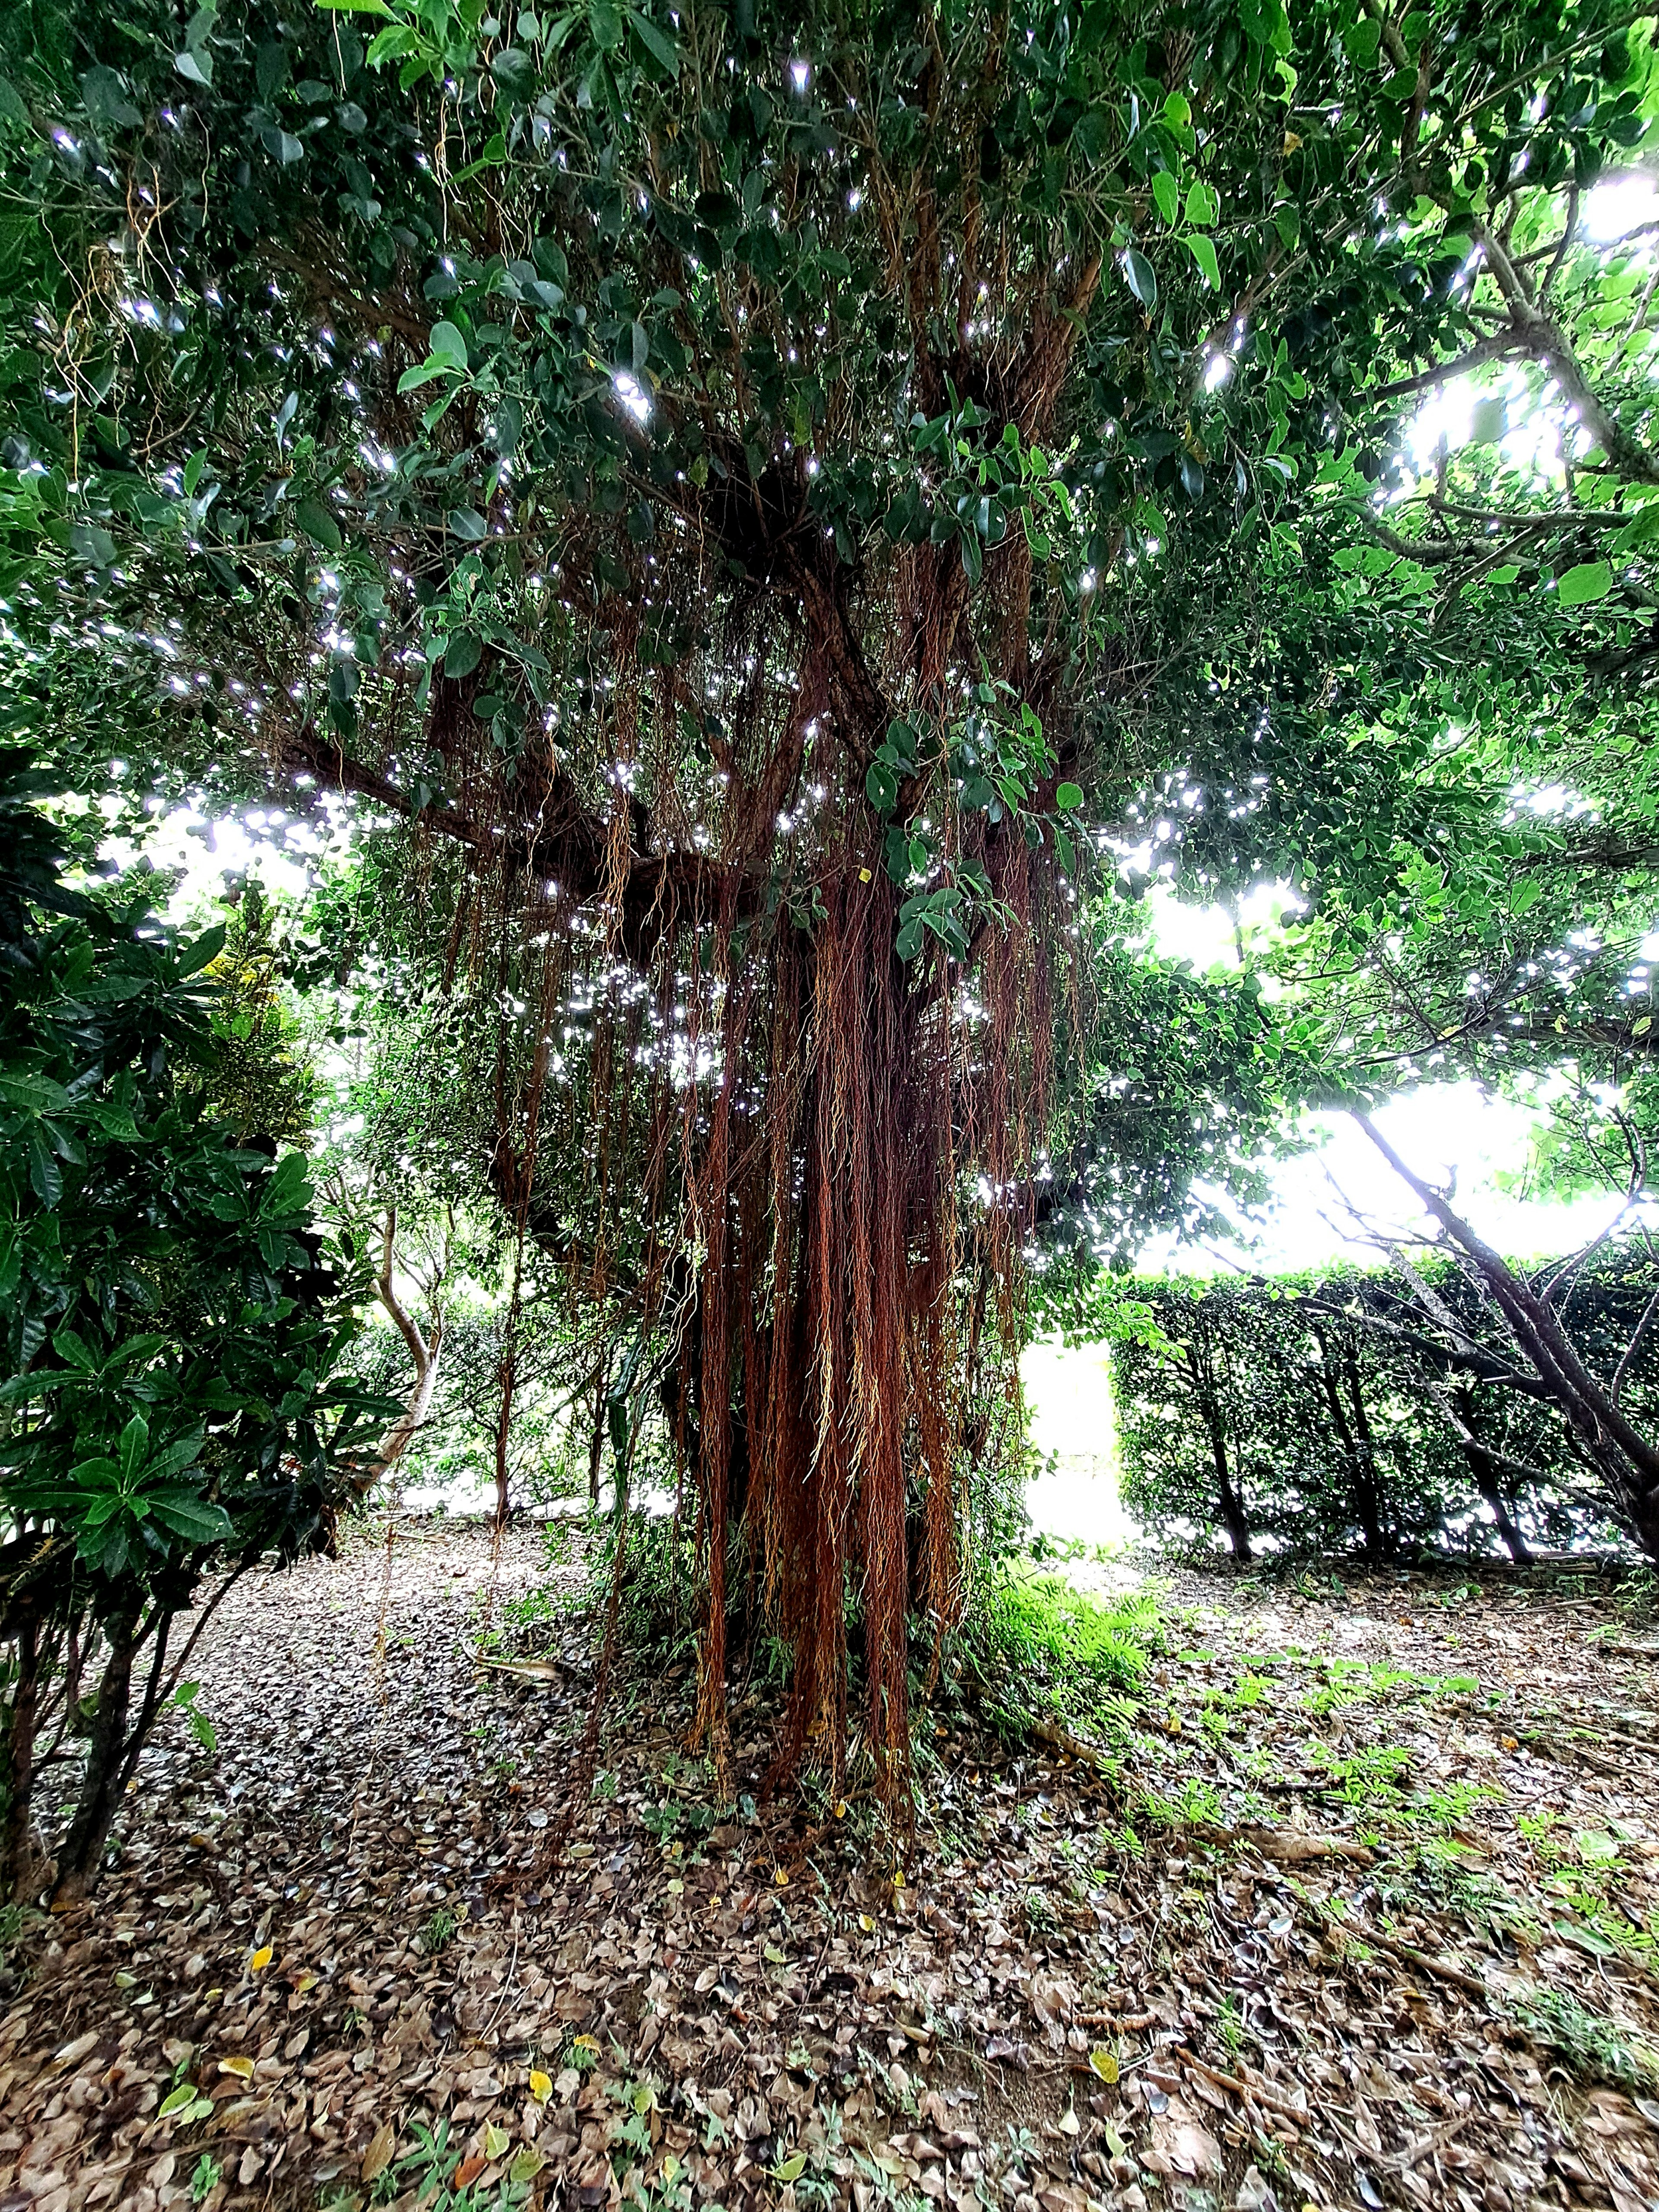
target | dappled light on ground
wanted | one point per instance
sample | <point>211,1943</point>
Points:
<point>1345,1898</point>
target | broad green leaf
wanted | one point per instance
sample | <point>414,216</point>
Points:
<point>1203,251</point>
<point>1068,798</point>
<point>1590,580</point>
<point>134,1445</point>
<point>1140,277</point>
<point>1167,193</point>
<point>656,41</point>
<point>446,343</point>
<point>318,525</point>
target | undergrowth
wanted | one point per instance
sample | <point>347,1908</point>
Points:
<point>1590,2045</point>
<point>1032,1647</point>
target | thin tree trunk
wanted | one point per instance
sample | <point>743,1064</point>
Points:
<point>506,1375</point>
<point>596,1441</point>
<point>1376,1496</point>
<point>422,1350</point>
<point>101,1785</point>
<point>1361,1495</point>
<point>1627,1461</point>
<point>1484,1473</point>
<point>1231,1505</point>
<point>17,1852</point>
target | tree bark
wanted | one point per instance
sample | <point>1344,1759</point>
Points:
<point>101,1785</point>
<point>18,1854</point>
<point>1626,1461</point>
<point>1232,1505</point>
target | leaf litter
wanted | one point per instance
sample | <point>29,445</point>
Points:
<point>1355,1903</point>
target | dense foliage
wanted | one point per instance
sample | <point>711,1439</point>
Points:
<point>174,1409</point>
<point>1352,1410</point>
<point>785,524</point>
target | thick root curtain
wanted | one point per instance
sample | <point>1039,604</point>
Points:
<point>779,1136</point>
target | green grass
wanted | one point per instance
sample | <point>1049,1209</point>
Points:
<point>1038,1648</point>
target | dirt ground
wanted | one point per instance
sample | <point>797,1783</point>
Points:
<point>1363,1913</point>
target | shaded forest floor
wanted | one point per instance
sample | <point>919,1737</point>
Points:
<point>1362,1915</point>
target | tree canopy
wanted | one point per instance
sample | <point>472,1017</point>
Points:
<point>789,521</point>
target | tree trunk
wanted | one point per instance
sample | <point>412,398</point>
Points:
<point>596,1440</point>
<point>1233,1515</point>
<point>422,1350</point>
<point>1484,1474</point>
<point>102,1784</point>
<point>1372,1482</point>
<point>506,1375</point>
<point>1362,1495</point>
<point>19,1857</point>
<point>1626,1460</point>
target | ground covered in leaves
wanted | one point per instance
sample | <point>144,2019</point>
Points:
<point>1353,1900</point>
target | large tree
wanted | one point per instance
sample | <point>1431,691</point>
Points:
<point>763,495</point>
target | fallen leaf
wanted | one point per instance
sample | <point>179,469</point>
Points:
<point>495,2141</point>
<point>260,1959</point>
<point>377,2156</point>
<point>241,2068</point>
<point>541,2086</point>
<point>1104,2063</point>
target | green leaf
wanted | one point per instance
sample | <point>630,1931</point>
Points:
<point>318,525</point>
<point>1202,205</point>
<point>1167,193</point>
<point>1068,798</point>
<point>656,41</point>
<point>1590,580</point>
<point>1140,277</point>
<point>194,68</point>
<point>466,524</point>
<point>44,1173</point>
<point>514,71</point>
<point>176,2099</point>
<point>605,22</point>
<point>71,1346</point>
<point>446,345</point>
<point>35,1094</point>
<point>881,786</point>
<point>92,543</point>
<point>134,1446</point>
<point>1202,250</point>
<point>462,654</point>
<point>197,1520</point>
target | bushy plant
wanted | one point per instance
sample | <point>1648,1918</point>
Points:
<point>173,1332</point>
